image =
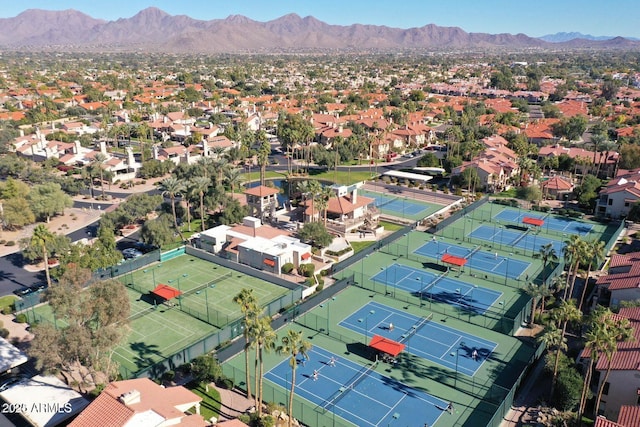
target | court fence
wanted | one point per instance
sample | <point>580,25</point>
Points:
<point>508,319</point>
<point>461,213</point>
<point>305,412</point>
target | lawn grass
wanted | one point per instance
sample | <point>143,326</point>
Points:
<point>210,405</point>
<point>390,226</point>
<point>358,246</point>
<point>7,301</point>
<point>509,194</point>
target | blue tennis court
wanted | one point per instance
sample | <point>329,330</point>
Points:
<point>356,394</point>
<point>476,259</point>
<point>563,225</point>
<point>523,240</point>
<point>438,287</point>
<point>431,340</point>
<point>398,205</point>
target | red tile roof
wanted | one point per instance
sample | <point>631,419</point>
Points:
<point>629,416</point>
<point>603,422</point>
<point>624,280</point>
<point>261,191</point>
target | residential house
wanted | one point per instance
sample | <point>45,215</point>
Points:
<point>629,416</point>
<point>346,211</point>
<point>260,246</point>
<point>623,382</point>
<point>262,201</point>
<point>139,402</point>
<point>540,132</point>
<point>557,188</point>
<point>587,162</point>
<point>617,197</point>
<point>622,282</point>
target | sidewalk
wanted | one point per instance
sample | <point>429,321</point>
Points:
<point>524,410</point>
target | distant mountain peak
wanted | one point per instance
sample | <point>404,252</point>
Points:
<point>154,30</point>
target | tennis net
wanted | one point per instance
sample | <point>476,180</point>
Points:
<point>434,282</point>
<point>141,313</point>
<point>470,254</point>
<point>387,202</point>
<point>350,386</point>
<point>520,237</point>
<point>206,285</point>
<point>411,332</point>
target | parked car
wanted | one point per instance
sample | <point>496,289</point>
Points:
<point>21,292</point>
<point>131,253</point>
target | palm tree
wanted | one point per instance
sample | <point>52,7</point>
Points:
<point>40,238</point>
<point>263,159</point>
<point>315,189</point>
<point>572,251</point>
<point>264,339</point>
<point>201,184</point>
<point>547,254</point>
<point>594,254</point>
<point>144,131</point>
<point>292,345</point>
<point>536,292</point>
<point>173,188</point>
<point>99,159</point>
<point>248,306</point>
<point>191,192</point>
<point>233,177</point>
<point>619,330</point>
<point>595,340</point>
<point>563,314</point>
<point>323,201</point>
<point>553,340</point>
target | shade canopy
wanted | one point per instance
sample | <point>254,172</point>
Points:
<point>386,345</point>
<point>532,221</point>
<point>165,291</point>
<point>454,260</point>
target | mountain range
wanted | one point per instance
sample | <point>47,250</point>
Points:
<point>154,30</point>
<point>563,37</point>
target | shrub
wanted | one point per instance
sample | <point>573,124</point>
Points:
<point>4,332</point>
<point>320,285</point>
<point>2,242</point>
<point>306,270</point>
<point>10,243</point>
<point>287,268</point>
<point>21,318</point>
<point>7,310</point>
<point>168,376</point>
<point>226,383</point>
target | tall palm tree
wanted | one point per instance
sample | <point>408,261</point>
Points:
<point>173,188</point>
<point>264,339</point>
<point>553,340</point>
<point>323,201</point>
<point>595,340</point>
<point>201,183</point>
<point>98,161</point>
<point>536,293</point>
<point>562,315</point>
<point>292,345</point>
<point>572,251</point>
<point>263,159</point>
<point>40,238</point>
<point>594,255</point>
<point>234,178</point>
<point>191,192</point>
<point>144,132</point>
<point>315,189</point>
<point>619,330</point>
<point>248,306</point>
<point>547,254</point>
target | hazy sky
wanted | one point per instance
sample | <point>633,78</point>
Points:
<point>534,18</point>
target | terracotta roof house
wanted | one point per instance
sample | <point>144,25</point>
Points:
<point>629,416</point>
<point>617,197</point>
<point>348,211</point>
<point>557,187</point>
<point>622,283</point>
<point>623,383</point>
<point>141,402</point>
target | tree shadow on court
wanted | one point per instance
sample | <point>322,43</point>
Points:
<point>147,354</point>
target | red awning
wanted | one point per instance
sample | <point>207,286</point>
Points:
<point>533,221</point>
<point>165,291</point>
<point>452,259</point>
<point>306,256</point>
<point>270,262</point>
<point>386,345</point>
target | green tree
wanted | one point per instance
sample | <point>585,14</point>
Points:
<point>293,344</point>
<point>248,303</point>
<point>206,369</point>
<point>40,241</point>
<point>173,188</point>
<point>587,192</point>
<point>157,232</point>
<point>565,313</point>
<point>554,341</point>
<point>47,200</point>
<point>316,234</point>
<point>536,292</point>
<point>547,254</point>
<point>567,394</point>
<point>264,339</point>
<point>16,213</point>
<point>201,185</point>
<point>594,255</point>
<point>98,162</point>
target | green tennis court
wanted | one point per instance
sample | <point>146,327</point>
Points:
<point>208,289</point>
<point>401,206</point>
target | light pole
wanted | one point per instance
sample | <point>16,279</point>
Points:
<point>366,325</point>
<point>506,271</point>
<point>153,274</point>
<point>419,279</point>
<point>386,271</point>
<point>328,312</point>
<point>457,355</point>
